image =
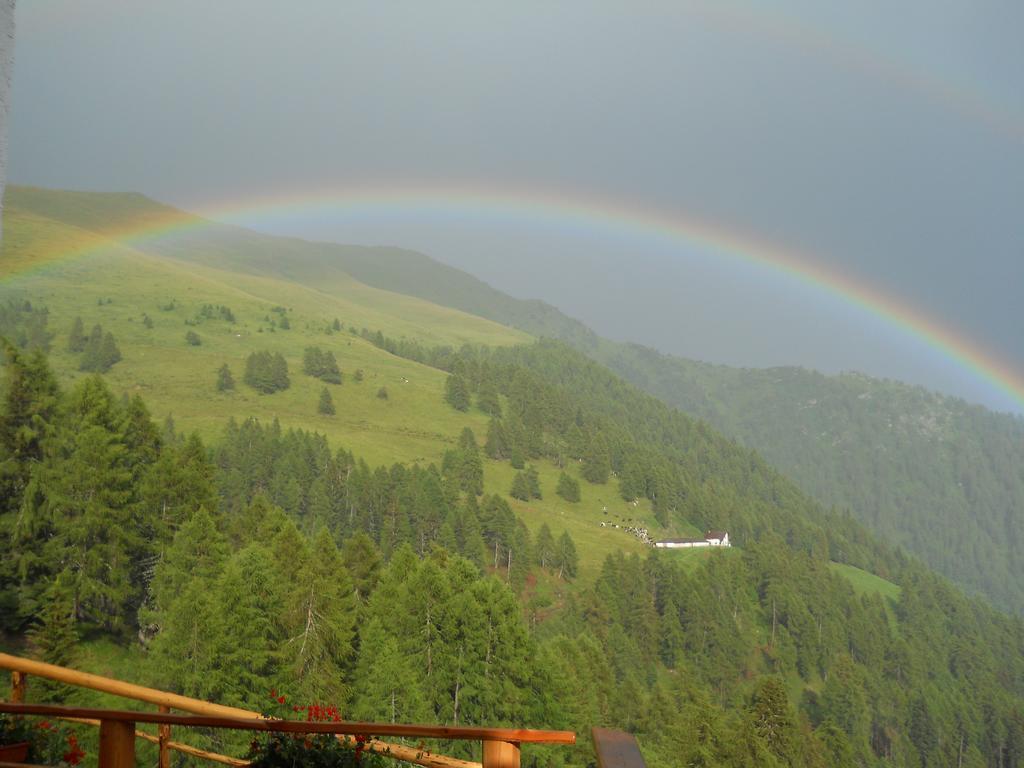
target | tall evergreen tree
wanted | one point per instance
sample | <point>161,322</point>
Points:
<point>326,405</point>
<point>76,338</point>
<point>533,482</point>
<point>456,392</point>
<point>28,411</point>
<point>487,399</point>
<point>568,488</point>
<point>544,547</point>
<point>55,635</point>
<point>266,372</point>
<point>363,561</point>
<point>520,487</point>
<point>568,560</point>
<point>320,616</point>
<point>101,351</point>
<point>81,500</point>
<point>496,447</point>
<point>597,460</point>
<point>225,381</point>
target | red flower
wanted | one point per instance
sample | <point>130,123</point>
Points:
<point>280,699</point>
<point>75,753</point>
<point>273,693</point>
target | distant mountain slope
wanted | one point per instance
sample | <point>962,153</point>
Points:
<point>852,653</point>
<point>932,473</point>
<point>323,265</point>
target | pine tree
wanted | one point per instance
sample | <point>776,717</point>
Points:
<point>83,490</point>
<point>320,616</point>
<point>225,381</point>
<point>597,460</point>
<point>248,597</point>
<point>632,480</point>
<point>516,457</point>
<point>363,561</point>
<point>77,339</point>
<point>487,399</point>
<point>533,482</point>
<point>321,364</point>
<point>567,559</point>
<point>197,552</point>
<point>266,372</point>
<point>520,487</point>
<point>110,353</point>
<point>382,393</point>
<point>772,718</point>
<point>387,687</point>
<point>192,339</point>
<point>101,351</point>
<point>544,547</point>
<point>495,446</point>
<point>55,635</point>
<point>467,464</point>
<point>326,404</point>
<point>568,488</point>
<point>469,533</point>
<point>457,392</point>
<point>27,420</point>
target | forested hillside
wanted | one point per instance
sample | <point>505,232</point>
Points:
<point>205,566</point>
<point>942,478</point>
<point>932,473</point>
<point>443,526</point>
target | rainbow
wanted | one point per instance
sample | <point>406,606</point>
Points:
<point>591,216</point>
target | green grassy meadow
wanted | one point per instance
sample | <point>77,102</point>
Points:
<point>865,583</point>
<point>118,286</point>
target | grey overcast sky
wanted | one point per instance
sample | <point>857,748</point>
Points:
<point>885,140</point>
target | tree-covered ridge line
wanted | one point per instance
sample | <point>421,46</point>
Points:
<point>565,407</point>
<point>760,656</point>
<point>953,497</point>
<point>930,472</point>
<point>939,684</point>
<point>934,474</point>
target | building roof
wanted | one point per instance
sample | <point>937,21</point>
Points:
<point>716,534</point>
<point>681,541</point>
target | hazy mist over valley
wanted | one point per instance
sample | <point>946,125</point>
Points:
<point>622,384</point>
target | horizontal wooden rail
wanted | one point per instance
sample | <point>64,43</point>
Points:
<point>21,667</point>
<point>117,732</point>
<point>522,735</point>
<point>177,746</point>
<point>120,688</point>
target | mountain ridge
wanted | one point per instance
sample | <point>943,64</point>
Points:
<point>901,479</point>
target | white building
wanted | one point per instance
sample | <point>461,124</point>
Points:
<point>711,539</point>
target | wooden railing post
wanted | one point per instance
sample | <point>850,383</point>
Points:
<point>165,736</point>
<point>500,754</point>
<point>117,744</point>
<point>18,682</point>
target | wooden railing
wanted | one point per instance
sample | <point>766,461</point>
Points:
<point>501,746</point>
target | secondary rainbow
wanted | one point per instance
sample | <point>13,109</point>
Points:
<point>594,217</point>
